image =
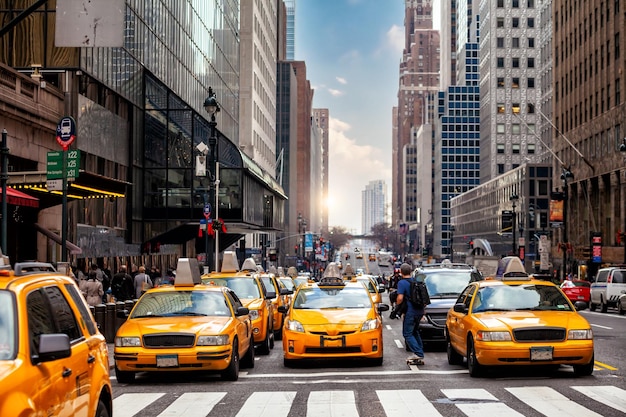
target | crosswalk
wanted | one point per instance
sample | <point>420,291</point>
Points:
<point>472,402</point>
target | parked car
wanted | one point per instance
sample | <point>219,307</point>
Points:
<point>608,286</point>
<point>189,326</point>
<point>53,359</point>
<point>518,321</point>
<point>577,290</point>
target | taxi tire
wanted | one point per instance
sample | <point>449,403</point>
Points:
<point>475,369</point>
<point>288,363</point>
<point>102,410</point>
<point>585,370</point>
<point>124,377</point>
<point>454,357</point>
<point>231,373</point>
<point>248,359</point>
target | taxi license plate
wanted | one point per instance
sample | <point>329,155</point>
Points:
<point>166,361</point>
<point>541,353</point>
<point>332,342</point>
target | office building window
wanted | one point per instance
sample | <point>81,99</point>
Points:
<point>500,82</point>
<point>515,148</point>
<point>515,22</point>
<point>500,42</point>
<point>515,43</point>
<point>515,82</point>
<point>531,42</point>
<point>530,82</point>
<point>500,147</point>
<point>515,62</point>
<point>530,22</point>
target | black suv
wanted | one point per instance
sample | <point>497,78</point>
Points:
<point>444,281</point>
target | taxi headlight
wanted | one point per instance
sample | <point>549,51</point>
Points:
<point>370,325</point>
<point>485,336</point>
<point>127,342</point>
<point>583,334</point>
<point>294,326</point>
<point>254,314</point>
<point>212,340</point>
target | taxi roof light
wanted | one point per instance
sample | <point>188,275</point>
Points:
<point>229,262</point>
<point>249,265</point>
<point>187,272</point>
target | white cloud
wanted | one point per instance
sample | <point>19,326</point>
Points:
<point>341,80</point>
<point>394,40</point>
<point>351,167</point>
<point>335,93</point>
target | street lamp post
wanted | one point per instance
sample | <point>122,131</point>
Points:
<point>566,175</point>
<point>514,199</point>
<point>212,107</point>
<point>622,149</point>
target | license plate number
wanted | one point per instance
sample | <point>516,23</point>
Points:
<point>166,361</point>
<point>328,342</point>
<point>541,353</point>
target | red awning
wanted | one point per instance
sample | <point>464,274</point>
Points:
<point>18,198</point>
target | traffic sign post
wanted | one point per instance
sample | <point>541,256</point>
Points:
<point>55,166</point>
<point>66,135</point>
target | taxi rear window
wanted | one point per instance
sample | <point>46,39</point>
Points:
<point>337,297</point>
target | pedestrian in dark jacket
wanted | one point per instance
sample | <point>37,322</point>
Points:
<point>122,286</point>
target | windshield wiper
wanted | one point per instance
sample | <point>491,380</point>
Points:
<point>188,313</point>
<point>147,315</point>
<point>495,309</point>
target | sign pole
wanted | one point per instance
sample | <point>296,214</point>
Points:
<point>64,210</point>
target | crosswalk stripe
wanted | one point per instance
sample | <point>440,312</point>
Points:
<point>128,405</point>
<point>331,404</point>
<point>193,404</point>
<point>551,403</point>
<point>609,395</point>
<point>406,403</point>
<point>268,404</point>
<point>478,402</point>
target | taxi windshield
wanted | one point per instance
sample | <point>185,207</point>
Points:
<point>181,303</point>
<point>7,326</point>
<point>243,287</point>
<point>267,281</point>
<point>288,283</point>
<point>519,297</point>
<point>335,297</point>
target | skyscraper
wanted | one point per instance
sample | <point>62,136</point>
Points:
<point>290,6</point>
<point>373,203</point>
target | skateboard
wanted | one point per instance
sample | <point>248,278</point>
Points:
<point>415,361</point>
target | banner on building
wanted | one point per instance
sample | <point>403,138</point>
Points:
<point>556,209</point>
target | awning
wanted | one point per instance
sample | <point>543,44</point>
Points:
<point>18,198</point>
<point>185,232</point>
<point>74,250</point>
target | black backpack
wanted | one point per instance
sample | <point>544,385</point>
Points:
<point>418,294</point>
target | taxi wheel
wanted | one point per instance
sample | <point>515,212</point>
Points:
<point>288,362</point>
<point>102,411</point>
<point>454,357</point>
<point>475,369</point>
<point>278,334</point>
<point>124,377</point>
<point>232,372</point>
<point>248,359</point>
<point>584,370</point>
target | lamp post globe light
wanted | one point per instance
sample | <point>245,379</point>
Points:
<point>212,107</point>
<point>514,199</point>
<point>566,175</point>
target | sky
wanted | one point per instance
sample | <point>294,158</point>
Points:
<point>352,50</point>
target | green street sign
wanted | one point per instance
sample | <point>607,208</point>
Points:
<point>55,164</point>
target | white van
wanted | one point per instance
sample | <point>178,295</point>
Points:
<point>609,284</point>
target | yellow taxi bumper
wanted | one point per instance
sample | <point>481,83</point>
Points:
<point>308,346</point>
<point>209,358</point>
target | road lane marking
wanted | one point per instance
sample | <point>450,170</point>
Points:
<point>406,403</point>
<point>602,327</point>
<point>551,403</point>
<point>478,402</point>
<point>332,404</point>
<point>192,404</point>
<point>359,373</point>
<point>604,366</point>
<point>398,343</point>
<point>268,404</point>
<point>127,405</point>
<point>608,395</point>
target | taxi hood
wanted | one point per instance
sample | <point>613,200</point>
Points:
<point>513,320</point>
<point>191,324</point>
<point>340,317</point>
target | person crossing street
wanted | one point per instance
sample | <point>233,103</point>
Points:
<point>411,318</point>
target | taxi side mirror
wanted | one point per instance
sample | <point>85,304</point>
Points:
<point>270,295</point>
<point>460,308</point>
<point>381,288</point>
<point>241,311</point>
<point>383,307</point>
<point>52,347</point>
<point>283,309</point>
<point>285,291</point>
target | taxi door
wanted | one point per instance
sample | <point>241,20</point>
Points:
<point>243,324</point>
<point>61,386</point>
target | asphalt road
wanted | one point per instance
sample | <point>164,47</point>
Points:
<point>394,389</point>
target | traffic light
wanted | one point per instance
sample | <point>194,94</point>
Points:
<point>295,249</point>
<point>471,244</point>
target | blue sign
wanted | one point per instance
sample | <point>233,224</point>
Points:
<point>308,242</point>
<point>207,210</point>
<point>66,132</point>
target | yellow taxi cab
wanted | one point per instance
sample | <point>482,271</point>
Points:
<point>514,320</point>
<point>333,319</point>
<point>252,293</point>
<point>185,327</point>
<point>372,286</point>
<point>283,298</point>
<point>53,359</point>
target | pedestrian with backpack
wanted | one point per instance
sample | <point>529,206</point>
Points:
<point>412,316</point>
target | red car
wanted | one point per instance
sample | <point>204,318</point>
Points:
<point>577,290</point>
